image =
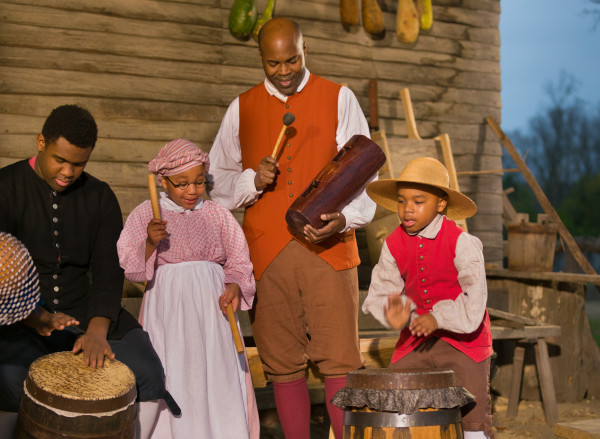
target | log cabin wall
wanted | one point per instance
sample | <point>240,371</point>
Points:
<point>152,71</point>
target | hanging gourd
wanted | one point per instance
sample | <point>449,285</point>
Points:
<point>242,18</point>
<point>425,14</point>
<point>407,22</point>
<point>349,12</point>
<point>266,16</point>
<point>372,17</point>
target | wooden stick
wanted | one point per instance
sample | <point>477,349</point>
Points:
<point>276,149</point>
<point>541,197</point>
<point>234,330</point>
<point>409,115</point>
<point>487,171</point>
<point>153,196</point>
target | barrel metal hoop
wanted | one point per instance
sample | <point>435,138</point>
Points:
<point>416,419</point>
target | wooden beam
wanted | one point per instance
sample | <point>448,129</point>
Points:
<point>544,276</point>
<point>541,197</point>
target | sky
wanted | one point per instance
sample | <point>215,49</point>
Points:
<point>539,39</point>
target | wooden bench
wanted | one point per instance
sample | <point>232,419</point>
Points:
<point>584,429</point>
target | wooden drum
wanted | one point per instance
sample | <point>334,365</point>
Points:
<point>64,398</point>
<point>337,183</point>
<point>402,403</point>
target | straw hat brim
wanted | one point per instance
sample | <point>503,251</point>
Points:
<point>385,193</point>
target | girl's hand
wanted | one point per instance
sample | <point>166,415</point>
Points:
<point>396,312</point>
<point>231,295</point>
<point>423,325</point>
<point>157,231</point>
<point>45,322</point>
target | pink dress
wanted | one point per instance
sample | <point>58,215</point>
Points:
<point>186,274</point>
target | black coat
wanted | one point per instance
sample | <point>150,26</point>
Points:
<point>72,237</point>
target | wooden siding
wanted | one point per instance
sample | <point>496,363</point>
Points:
<point>152,71</point>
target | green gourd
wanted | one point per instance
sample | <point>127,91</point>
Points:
<point>266,16</point>
<point>242,18</point>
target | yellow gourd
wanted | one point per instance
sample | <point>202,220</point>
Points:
<point>425,14</point>
<point>407,22</point>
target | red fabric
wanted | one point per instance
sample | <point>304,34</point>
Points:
<point>308,145</point>
<point>293,408</point>
<point>336,414</point>
<point>427,267</point>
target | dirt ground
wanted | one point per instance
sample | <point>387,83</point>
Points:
<point>529,423</point>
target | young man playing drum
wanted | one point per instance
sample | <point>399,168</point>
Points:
<point>307,285</point>
<point>70,223</point>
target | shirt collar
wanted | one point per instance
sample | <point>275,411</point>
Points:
<point>432,229</point>
<point>168,204</point>
<point>283,98</point>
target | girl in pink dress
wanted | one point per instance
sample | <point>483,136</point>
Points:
<point>196,262</point>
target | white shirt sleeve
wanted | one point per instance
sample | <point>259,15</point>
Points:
<point>351,120</point>
<point>232,186</point>
<point>464,315</point>
<point>385,280</point>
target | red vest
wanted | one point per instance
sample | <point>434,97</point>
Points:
<point>308,145</point>
<point>427,268</point>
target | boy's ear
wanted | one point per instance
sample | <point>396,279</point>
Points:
<point>442,203</point>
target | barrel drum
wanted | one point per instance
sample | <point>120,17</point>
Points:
<point>402,404</point>
<point>66,399</point>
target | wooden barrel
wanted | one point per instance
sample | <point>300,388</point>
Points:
<point>402,403</point>
<point>64,399</point>
<point>531,246</point>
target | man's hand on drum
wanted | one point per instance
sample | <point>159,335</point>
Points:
<point>265,173</point>
<point>336,222</point>
<point>231,295</point>
<point>94,343</point>
<point>45,322</point>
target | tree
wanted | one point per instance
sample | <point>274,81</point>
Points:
<point>562,141</point>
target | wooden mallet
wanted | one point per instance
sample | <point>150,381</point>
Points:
<point>230,314</point>
<point>288,119</point>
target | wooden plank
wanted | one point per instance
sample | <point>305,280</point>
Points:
<point>546,276</point>
<point>18,35</point>
<point>527,332</point>
<point>40,16</point>
<point>515,384</point>
<point>581,429</point>
<point>151,10</point>
<point>513,317</point>
<point>541,197</point>
<point>546,381</point>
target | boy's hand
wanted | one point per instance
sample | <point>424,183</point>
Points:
<point>94,343</point>
<point>45,322</point>
<point>231,295</point>
<point>423,325</point>
<point>397,313</point>
<point>157,231</point>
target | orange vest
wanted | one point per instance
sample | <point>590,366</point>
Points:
<point>308,145</point>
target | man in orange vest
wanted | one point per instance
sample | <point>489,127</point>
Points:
<point>306,305</point>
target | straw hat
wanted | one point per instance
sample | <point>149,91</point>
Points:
<point>427,171</point>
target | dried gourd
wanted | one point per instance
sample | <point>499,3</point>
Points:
<point>407,21</point>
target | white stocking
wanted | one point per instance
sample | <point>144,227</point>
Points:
<point>8,421</point>
<point>147,414</point>
<point>475,435</point>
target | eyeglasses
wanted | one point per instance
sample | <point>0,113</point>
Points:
<point>184,186</point>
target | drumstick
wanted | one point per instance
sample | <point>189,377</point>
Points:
<point>230,315</point>
<point>234,329</point>
<point>288,119</point>
<point>153,197</point>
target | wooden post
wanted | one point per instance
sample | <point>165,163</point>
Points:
<point>541,197</point>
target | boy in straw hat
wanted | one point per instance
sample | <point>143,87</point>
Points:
<point>430,283</point>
